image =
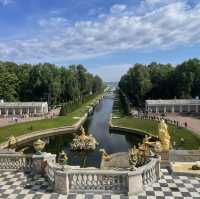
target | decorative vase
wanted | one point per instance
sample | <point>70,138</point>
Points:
<point>39,146</point>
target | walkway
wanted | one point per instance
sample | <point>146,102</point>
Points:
<point>6,121</point>
<point>26,186</point>
<point>193,123</point>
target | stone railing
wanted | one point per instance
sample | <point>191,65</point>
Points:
<point>85,180</point>
<point>15,162</point>
<point>98,181</point>
<point>67,179</point>
<point>50,169</point>
<point>149,173</point>
<point>22,162</point>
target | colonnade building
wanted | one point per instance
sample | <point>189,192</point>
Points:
<point>22,108</point>
<point>174,105</point>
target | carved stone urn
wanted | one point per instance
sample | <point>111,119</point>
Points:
<point>39,146</point>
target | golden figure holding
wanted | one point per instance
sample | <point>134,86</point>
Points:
<point>104,155</point>
<point>133,156</point>
<point>83,134</point>
<point>164,135</point>
<point>83,142</point>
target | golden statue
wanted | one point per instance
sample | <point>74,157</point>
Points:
<point>104,155</point>
<point>83,142</point>
<point>133,157</point>
<point>62,157</point>
<point>83,135</point>
<point>164,135</point>
<point>12,141</point>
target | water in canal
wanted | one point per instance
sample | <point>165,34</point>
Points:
<point>97,125</point>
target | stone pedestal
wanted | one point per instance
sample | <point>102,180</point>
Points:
<point>135,183</point>
<point>40,161</point>
<point>61,184</point>
<point>165,160</point>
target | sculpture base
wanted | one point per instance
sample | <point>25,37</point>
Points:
<point>165,159</point>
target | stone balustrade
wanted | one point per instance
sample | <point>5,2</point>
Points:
<point>85,180</point>
<point>67,179</point>
<point>22,162</point>
<point>15,162</point>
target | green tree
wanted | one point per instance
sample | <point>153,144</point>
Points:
<point>136,83</point>
<point>8,85</point>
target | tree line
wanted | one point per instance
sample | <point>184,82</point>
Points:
<point>161,81</point>
<point>46,82</point>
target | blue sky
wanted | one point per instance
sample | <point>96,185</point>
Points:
<point>106,36</point>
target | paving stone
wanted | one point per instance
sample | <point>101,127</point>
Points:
<point>17,185</point>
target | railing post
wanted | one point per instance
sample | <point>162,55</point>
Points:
<point>157,168</point>
<point>61,183</point>
<point>39,162</point>
<point>135,183</point>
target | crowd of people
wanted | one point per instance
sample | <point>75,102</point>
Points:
<point>159,117</point>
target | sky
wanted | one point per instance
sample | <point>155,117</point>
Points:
<point>106,36</point>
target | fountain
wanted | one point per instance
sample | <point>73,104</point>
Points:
<point>83,142</point>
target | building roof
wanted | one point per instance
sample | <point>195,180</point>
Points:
<point>22,104</point>
<point>174,102</point>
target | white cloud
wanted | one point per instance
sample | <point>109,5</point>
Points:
<point>166,26</point>
<point>118,8</point>
<point>5,2</point>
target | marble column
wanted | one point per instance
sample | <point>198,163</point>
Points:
<point>197,109</point>
<point>35,111</point>
<point>172,109</point>
<point>20,111</point>
<point>188,108</point>
<point>180,109</point>
<point>13,111</point>
<point>157,110</point>
<point>0,111</point>
<point>28,111</point>
<point>6,112</point>
<point>165,110</point>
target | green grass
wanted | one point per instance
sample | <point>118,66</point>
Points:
<point>192,141</point>
<point>60,121</point>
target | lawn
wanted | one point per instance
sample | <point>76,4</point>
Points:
<point>60,121</point>
<point>191,140</point>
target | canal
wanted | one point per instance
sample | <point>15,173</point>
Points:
<point>97,125</point>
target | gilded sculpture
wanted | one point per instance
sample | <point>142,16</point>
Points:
<point>104,155</point>
<point>164,135</point>
<point>133,157</point>
<point>12,141</point>
<point>62,157</point>
<point>83,142</point>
